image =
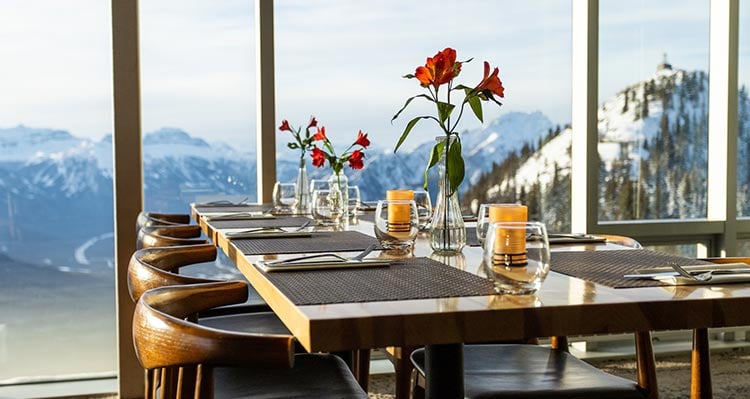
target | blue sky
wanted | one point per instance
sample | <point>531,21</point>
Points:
<point>341,60</point>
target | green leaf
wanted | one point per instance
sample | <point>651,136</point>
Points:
<point>435,154</point>
<point>408,128</point>
<point>409,76</point>
<point>444,110</point>
<point>293,146</point>
<point>455,165</point>
<point>407,103</point>
<point>475,103</point>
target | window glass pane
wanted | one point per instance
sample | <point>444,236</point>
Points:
<point>56,247</point>
<point>198,107</point>
<point>343,62</point>
<point>743,114</point>
<point>653,113</point>
<point>697,250</point>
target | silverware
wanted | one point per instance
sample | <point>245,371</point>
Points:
<point>324,258</point>
<point>362,255</point>
<point>300,228</point>
<point>707,275</point>
<point>225,202</point>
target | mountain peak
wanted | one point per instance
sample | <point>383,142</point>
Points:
<point>171,135</point>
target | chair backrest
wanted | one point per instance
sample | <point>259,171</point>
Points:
<point>622,240</point>
<point>166,236</point>
<point>157,267</point>
<point>163,339</point>
<point>146,219</point>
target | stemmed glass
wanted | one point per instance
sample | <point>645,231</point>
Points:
<point>516,256</point>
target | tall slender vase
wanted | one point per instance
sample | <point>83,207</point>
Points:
<point>338,186</point>
<point>447,229</point>
<point>302,194</point>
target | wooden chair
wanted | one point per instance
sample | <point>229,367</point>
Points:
<point>165,236</point>
<point>148,219</point>
<point>227,364</point>
<point>512,370</point>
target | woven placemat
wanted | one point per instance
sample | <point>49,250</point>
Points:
<point>287,221</point>
<point>320,241</point>
<point>471,237</point>
<point>608,267</point>
<point>414,278</point>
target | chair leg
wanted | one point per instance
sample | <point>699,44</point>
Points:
<point>417,385</point>
<point>361,367</point>
<point>403,367</point>
<point>700,375</point>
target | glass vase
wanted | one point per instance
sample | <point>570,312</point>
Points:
<point>338,185</point>
<point>447,228</point>
<point>302,192</point>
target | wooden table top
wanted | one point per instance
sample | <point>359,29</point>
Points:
<point>563,306</point>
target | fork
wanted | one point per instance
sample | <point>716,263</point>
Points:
<point>357,258</point>
<point>703,277</point>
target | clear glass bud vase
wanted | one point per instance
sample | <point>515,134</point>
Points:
<point>302,194</point>
<point>338,186</point>
<point>447,230</point>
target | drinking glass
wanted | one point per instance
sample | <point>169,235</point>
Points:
<point>284,197</point>
<point>424,208</point>
<point>354,200</point>
<point>327,209</point>
<point>516,256</point>
<point>396,223</point>
<point>483,217</point>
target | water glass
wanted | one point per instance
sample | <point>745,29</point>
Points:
<point>516,256</point>
<point>355,201</point>
<point>327,208</point>
<point>502,212</point>
<point>424,208</point>
<point>396,223</point>
<point>284,197</point>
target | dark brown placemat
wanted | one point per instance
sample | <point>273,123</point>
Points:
<point>609,267</point>
<point>320,241</point>
<point>286,221</point>
<point>414,278</point>
<point>471,237</point>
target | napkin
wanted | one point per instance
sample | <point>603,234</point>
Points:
<point>266,234</point>
<point>668,276</point>
<point>319,263</point>
<point>209,216</point>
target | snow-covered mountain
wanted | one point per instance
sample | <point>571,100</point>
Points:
<point>653,153</point>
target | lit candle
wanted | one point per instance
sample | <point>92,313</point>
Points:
<point>510,242</point>
<point>399,217</point>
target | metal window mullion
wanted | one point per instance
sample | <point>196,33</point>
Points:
<point>127,181</point>
<point>585,75</point>
<point>722,122</point>
<point>266,100</point>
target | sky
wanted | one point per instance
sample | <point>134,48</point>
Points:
<point>339,60</point>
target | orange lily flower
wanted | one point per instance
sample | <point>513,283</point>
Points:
<point>318,157</point>
<point>440,69</point>
<point>285,126</point>
<point>355,160</point>
<point>321,134</point>
<point>362,140</point>
<point>491,83</point>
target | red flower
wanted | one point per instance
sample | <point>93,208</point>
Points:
<point>362,140</point>
<point>321,134</point>
<point>318,157</point>
<point>491,83</point>
<point>355,160</point>
<point>285,126</point>
<point>313,123</point>
<point>440,69</point>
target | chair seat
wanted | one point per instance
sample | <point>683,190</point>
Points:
<point>259,323</point>
<point>313,376</point>
<point>530,371</point>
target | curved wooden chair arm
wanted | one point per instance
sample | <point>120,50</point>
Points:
<point>621,240</point>
<point>163,338</point>
<point>160,219</point>
<point>165,236</point>
<point>731,259</point>
<point>153,267</point>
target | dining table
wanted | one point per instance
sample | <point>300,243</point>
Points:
<point>447,301</point>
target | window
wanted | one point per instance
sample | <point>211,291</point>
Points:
<point>335,60</point>
<point>56,251</point>
<point>743,114</point>
<point>198,102</point>
<point>653,114</point>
